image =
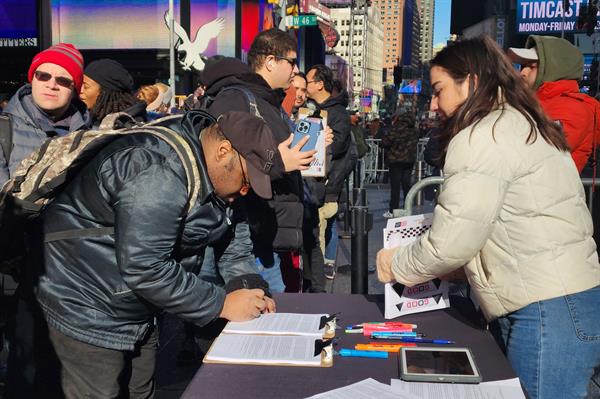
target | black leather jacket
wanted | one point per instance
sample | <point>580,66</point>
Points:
<point>105,290</point>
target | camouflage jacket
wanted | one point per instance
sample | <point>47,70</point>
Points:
<point>400,142</point>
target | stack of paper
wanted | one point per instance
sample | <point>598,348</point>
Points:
<point>369,388</point>
<point>291,339</point>
<point>504,389</point>
<point>279,324</point>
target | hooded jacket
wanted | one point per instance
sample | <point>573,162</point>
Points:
<point>31,127</point>
<point>105,289</point>
<point>560,67</point>
<point>343,156</point>
<point>276,223</point>
<point>401,141</point>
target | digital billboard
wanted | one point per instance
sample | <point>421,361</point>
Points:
<point>18,23</point>
<point>111,24</point>
<point>546,16</point>
<point>205,11</point>
<point>257,15</point>
<point>410,86</point>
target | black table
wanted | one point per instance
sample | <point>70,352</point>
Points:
<point>459,323</point>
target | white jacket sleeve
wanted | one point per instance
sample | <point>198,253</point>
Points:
<point>470,202</point>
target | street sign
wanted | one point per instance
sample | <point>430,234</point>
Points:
<point>301,20</point>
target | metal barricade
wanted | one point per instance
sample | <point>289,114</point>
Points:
<point>416,189</point>
<point>373,163</point>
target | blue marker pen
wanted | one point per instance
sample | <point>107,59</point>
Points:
<point>357,353</point>
<point>394,334</point>
<point>427,341</point>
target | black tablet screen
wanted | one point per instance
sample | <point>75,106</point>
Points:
<point>438,362</point>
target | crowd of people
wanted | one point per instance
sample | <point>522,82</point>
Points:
<point>127,238</point>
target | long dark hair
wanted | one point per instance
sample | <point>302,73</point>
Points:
<point>110,101</point>
<point>496,77</point>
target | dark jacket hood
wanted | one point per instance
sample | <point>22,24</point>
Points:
<point>558,59</point>
<point>340,99</point>
<point>224,72</point>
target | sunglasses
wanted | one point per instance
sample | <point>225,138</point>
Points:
<point>60,80</point>
<point>292,61</point>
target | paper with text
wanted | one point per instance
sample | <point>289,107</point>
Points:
<point>365,389</point>
<point>264,349</point>
<point>504,389</point>
<point>279,324</point>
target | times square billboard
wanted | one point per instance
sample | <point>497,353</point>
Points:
<point>546,16</point>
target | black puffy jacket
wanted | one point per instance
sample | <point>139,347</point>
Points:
<point>276,223</point>
<point>106,289</point>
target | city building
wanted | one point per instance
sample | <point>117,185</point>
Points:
<point>392,16</point>
<point>426,14</point>
<point>360,45</point>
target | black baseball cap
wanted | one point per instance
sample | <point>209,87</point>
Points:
<point>253,139</point>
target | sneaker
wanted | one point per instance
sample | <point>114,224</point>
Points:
<point>388,215</point>
<point>330,271</point>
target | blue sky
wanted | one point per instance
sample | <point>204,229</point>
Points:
<point>441,25</point>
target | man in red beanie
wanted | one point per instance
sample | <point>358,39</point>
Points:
<point>47,107</point>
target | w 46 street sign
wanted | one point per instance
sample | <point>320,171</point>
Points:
<point>301,20</point>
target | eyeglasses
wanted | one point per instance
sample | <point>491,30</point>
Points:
<point>292,61</point>
<point>528,65</point>
<point>245,182</point>
<point>312,81</point>
<point>60,80</point>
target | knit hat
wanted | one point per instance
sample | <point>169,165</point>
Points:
<point>65,55</point>
<point>110,75</point>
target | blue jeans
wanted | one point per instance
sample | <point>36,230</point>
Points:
<point>554,345</point>
<point>269,267</point>
<point>331,240</point>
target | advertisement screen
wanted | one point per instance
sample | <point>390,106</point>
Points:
<point>257,15</point>
<point>111,24</point>
<point>546,16</point>
<point>410,86</point>
<point>203,12</point>
<point>18,23</point>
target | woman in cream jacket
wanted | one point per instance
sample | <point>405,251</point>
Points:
<point>512,212</point>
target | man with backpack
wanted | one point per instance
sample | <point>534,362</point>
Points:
<point>277,223</point>
<point>124,240</point>
<point>47,107</point>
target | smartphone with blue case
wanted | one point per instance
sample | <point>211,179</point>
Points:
<point>308,127</point>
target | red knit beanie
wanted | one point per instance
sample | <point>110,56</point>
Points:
<point>65,55</point>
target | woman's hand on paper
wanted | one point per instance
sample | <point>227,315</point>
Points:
<point>328,136</point>
<point>384,265</point>
<point>293,158</point>
<point>244,304</point>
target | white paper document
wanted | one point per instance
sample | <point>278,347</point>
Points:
<point>365,389</point>
<point>279,324</point>
<point>264,349</point>
<point>504,389</point>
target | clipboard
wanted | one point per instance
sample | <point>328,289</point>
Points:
<point>315,325</point>
<point>323,347</point>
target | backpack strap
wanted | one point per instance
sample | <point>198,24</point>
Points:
<point>6,136</point>
<point>249,96</point>
<point>190,165</point>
